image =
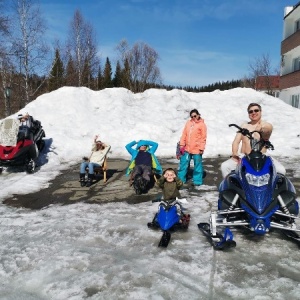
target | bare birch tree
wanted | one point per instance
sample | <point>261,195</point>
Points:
<point>261,66</point>
<point>6,67</point>
<point>82,49</point>
<point>143,65</point>
<point>28,43</point>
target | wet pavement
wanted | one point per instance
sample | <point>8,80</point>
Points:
<point>66,189</point>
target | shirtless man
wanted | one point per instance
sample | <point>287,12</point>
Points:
<point>256,123</point>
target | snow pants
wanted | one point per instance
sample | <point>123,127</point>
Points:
<point>184,163</point>
<point>143,170</point>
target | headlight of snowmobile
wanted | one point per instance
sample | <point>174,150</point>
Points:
<point>258,180</point>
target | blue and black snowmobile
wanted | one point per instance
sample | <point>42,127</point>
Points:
<point>254,196</point>
<point>169,218</point>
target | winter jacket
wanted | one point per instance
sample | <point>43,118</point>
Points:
<point>170,189</point>
<point>99,156</point>
<point>193,137</point>
<point>151,148</point>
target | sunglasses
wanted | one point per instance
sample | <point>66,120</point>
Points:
<point>253,111</point>
<point>194,116</point>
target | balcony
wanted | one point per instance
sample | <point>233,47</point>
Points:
<point>290,42</point>
<point>289,80</point>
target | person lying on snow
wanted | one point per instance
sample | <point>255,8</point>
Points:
<point>96,159</point>
<point>143,161</point>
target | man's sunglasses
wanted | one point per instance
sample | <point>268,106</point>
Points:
<point>253,111</point>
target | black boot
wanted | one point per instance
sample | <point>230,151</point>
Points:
<point>82,179</point>
<point>90,180</point>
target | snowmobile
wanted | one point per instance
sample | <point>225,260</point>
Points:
<point>169,218</point>
<point>254,196</point>
<point>20,145</point>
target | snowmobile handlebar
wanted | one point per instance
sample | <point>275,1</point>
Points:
<point>263,143</point>
<point>243,131</point>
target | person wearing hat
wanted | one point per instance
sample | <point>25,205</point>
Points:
<point>96,159</point>
<point>25,120</point>
<point>192,145</point>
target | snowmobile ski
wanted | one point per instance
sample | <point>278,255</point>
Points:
<point>219,241</point>
<point>165,239</point>
<point>292,235</point>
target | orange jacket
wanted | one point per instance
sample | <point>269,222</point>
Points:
<point>194,136</point>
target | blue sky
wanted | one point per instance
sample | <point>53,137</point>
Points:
<point>199,41</point>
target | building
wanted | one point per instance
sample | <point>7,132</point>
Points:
<point>290,56</point>
<point>268,84</point>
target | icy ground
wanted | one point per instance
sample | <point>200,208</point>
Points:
<point>107,252</point>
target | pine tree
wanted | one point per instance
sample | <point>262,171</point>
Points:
<point>71,78</point>
<point>99,80</point>
<point>107,81</point>
<point>86,74</point>
<point>56,79</point>
<point>126,81</point>
<point>117,81</point>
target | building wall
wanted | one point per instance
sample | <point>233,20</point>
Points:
<point>290,51</point>
<point>290,96</point>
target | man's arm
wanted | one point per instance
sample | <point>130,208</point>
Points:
<point>266,130</point>
<point>236,145</point>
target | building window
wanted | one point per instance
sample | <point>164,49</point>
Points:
<point>297,25</point>
<point>295,101</point>
<point>297,64</point>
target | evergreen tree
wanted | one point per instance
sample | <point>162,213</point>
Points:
<point>107,81</point>
<point>117,81</point>
<point>99,81</point>
<point>56,79</point>
<point>86,74</point>
<point>126,82</point>
<point>71,78</point>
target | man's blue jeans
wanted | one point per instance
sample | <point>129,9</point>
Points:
<point>185,160</point>
<point>90,165</point>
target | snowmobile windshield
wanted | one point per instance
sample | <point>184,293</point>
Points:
<point>8,132</point>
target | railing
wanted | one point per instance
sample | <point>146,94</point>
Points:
<point>290,42</point>
<point>289,80</point>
